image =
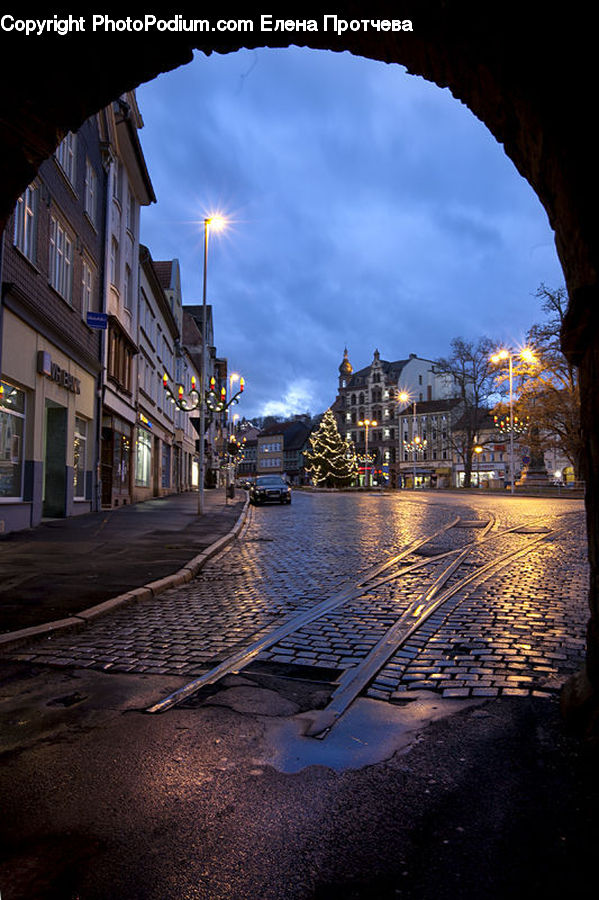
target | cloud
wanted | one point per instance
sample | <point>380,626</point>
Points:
<point>371,209</point>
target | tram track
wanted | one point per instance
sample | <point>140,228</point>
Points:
<point>442,580</point>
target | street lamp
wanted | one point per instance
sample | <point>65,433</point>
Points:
<point>234,376</point>
<point>528,356</point>
<point>214,223</point>
<point>367,423</point>
<point>478,450</point>
<point>212,400</point>
<point>416,443</point>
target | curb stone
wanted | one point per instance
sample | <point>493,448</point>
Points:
<point>146,592</point>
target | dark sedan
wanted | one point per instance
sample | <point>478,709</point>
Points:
<point>270,489</point>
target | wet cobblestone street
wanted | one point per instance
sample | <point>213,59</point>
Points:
<point>516,630</point>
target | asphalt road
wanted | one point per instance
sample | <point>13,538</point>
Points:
<point>224,797</point>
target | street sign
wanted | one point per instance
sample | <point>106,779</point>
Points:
<point>97,319</point>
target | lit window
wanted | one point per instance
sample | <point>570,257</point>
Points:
<point>143,458</point>
<point>12,419</point>
<point>79,458</point>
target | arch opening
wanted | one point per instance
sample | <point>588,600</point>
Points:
<point>500,66</point>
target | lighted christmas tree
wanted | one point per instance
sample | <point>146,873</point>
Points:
<point>331,460</point>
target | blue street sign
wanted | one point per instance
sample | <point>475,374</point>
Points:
<point>97,319</point>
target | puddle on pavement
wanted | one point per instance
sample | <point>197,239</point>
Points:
<point>369,732</point>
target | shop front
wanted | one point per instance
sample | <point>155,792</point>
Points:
<point>47,430</point>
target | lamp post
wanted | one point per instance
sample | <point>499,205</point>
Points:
<point>528,356</point>
<point>216,223</point>
<point>234,376</point>
<point>210,400</point>
<point>478,450</point>
<point>367,423</point>
<point>415,443</point>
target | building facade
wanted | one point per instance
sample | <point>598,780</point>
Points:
<point>52,273</point>
<point>371,395</point>
<point>128,189</point>
<point>280,450</point>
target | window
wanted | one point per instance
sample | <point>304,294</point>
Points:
<point>117,182</point>
<point>131,213</point>
<point>91,191</point>
<point>60,264</point>
<point>87,287</point>
<point>26,223</point>
<point>143,458</point>
<point>120,355</point>
<point>12,418</point>
<point>79,458</point>
<point>65,154</point>
<point>128,288</point>
<point>114,261</point>
<point>166,465</point>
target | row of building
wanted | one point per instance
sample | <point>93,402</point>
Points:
<point>418,417</point>
<point>406,442</point>
<point>90,325</point>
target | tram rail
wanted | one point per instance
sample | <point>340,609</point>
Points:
<point>442,579</point>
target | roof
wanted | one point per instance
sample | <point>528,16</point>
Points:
<point>393,369</point>
<point>164,269</point>
<point>295,434</point>
<point>430,407</point>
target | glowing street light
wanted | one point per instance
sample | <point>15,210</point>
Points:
<point>211,223</point>
<point>478,450</point>
<point>528,356</point>
<point>367,423</point>
<point>416,443</point>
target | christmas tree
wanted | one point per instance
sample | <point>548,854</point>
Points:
<point>331,460</point>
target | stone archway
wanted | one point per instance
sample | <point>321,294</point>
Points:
<point>527,74</point>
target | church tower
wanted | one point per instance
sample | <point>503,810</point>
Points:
<point>345,371</point>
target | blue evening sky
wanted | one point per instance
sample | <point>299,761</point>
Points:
<point>370,209</point>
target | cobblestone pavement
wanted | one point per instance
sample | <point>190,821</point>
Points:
<point>520,629</point>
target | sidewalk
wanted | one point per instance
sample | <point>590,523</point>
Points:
<point>67,566</point>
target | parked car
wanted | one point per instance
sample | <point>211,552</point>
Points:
<point>270,489</point>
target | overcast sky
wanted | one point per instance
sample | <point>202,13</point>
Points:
<point>370,210</point>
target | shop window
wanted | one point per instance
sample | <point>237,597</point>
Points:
<point>12,418</point>
<point>166,465</point>
<point>79,458</point>
<point>143,458</point>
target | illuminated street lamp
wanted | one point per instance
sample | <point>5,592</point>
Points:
<point>214,223</point>
<point>416,443</point>
<point>214,401</point>
<point>478,450</point>
<point>367,423</point>
<point>234,376</point>
<point>528,356</point>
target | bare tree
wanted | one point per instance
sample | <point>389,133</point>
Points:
<point>471,372</point>
<point>549,393</point>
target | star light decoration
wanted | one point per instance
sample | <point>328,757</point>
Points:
<point>418,445</point>
<point>214,401</point>
<point>519,426</point>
